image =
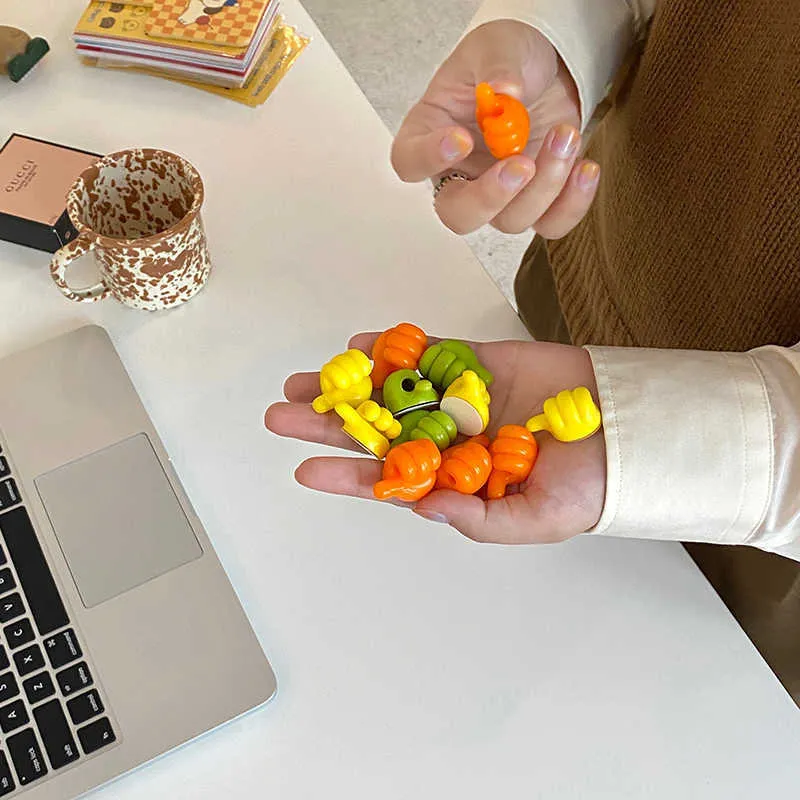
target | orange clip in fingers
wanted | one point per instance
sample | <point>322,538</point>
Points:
<point>514,453</point>
<point>397,348</point>
<point>503,120</point>
<point>465,468</point>
<point>409,471</point>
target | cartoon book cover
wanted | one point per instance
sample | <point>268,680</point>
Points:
<point>128,22</point>
<point>231,23</point>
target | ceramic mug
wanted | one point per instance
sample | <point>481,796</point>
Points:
<point>138,212</point>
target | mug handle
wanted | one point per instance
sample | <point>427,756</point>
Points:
<point>58,268</point>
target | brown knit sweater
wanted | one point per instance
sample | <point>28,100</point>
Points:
<point>694,239</point>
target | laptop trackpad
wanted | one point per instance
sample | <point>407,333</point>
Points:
<point>117,519</point>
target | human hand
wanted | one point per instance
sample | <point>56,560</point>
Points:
<point>562,497</point>
<point>548,187</point>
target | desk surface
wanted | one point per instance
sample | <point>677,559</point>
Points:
<point>410,661</point>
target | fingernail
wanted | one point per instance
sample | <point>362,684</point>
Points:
<point>514,174</point>
<point>432,516</point>
<point>455,145</point>
<point>400,503</point>
<point>588,175</point>
<point>507,86</point>
<point>564,141</point>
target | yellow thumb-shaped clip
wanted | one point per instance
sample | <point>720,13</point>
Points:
<point>370,425</point>
<point>569,416</point>
<point>344,379</point>
<point>466,401</point>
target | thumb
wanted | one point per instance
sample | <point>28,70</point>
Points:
<point>506,79</point>
<point>513,59</point>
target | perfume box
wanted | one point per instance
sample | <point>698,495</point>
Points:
<point>35,178</point>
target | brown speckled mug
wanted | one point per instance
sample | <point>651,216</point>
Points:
<point>138,211</point>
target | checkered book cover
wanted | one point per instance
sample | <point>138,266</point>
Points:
<point>231,23</point>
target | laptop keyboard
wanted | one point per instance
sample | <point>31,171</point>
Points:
<point>51,712</point>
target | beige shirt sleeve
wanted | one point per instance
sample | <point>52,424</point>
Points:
<point>591,36</point>
<point>702,447</point>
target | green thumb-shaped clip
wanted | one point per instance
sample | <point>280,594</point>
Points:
<point>442,363</point>
<point>438,427</point>
<point>408,423</point>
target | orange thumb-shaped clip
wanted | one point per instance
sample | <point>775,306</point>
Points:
<point>503,120</point>
<point>465,468</point>
<point>399,347</point>
<point>409,471</point>
<point>514,453</point>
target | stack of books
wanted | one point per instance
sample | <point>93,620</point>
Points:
<point>221,45</point>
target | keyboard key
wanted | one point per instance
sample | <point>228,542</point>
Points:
<point>73,679</point>
<point>28,660</point>
<point>9,495</point>
<point>3,557</point>
<point>11,607</point>
<point>39,687</point>
<point>44,600</point>
<point>13,716</point>
<point>7,582</point>
<point>6,777</point>
<point>8,686</point>
<point>56,735</point>
<point>4,468</point>
<point>19,633</point>
<point>27,757</point>
<point>4,662</point>
<point>85,707</point>
<point>62,648</point>
<point>96,735</point>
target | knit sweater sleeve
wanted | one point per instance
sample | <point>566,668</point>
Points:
<point>591,36</point>
<point>702,446</point>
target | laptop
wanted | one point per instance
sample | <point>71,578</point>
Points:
<point>121,637</point>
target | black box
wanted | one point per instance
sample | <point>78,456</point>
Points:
<point>35,178</point>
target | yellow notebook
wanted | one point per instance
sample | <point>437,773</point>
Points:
<point>231,23</point>
<point>276,60</point>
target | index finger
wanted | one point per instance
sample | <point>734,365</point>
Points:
<point>354,477</point>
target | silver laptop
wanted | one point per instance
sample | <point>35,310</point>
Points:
<point>120,635</point>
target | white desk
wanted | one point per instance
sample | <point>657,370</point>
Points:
<point>411,662</point>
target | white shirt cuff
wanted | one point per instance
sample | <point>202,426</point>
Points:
<point>689,444</point>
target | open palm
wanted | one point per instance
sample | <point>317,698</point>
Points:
<point>563,495</point>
